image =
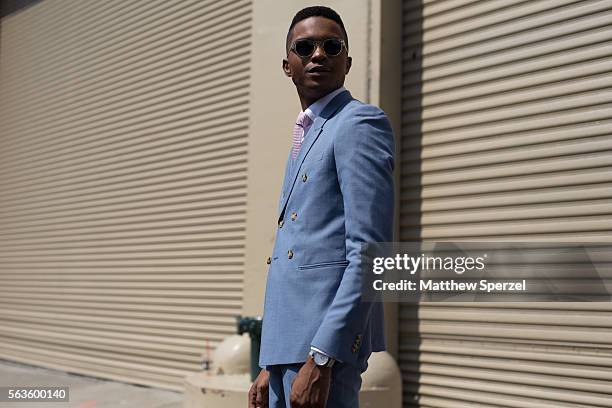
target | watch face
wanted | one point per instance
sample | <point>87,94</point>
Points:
<point>320,359</point>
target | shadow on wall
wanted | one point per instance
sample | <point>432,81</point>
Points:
<point>411,185</point>
<point>12,6</point>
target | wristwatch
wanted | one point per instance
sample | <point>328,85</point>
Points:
<point>321,359</point>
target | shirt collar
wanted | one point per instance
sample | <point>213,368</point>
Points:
<point>315,109</point>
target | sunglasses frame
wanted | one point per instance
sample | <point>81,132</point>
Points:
<point>318,44</point>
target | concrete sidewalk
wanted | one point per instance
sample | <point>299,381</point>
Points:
<point>85,392</point>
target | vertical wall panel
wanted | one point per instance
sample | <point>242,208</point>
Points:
<point>507,135</point>
<point>123,154</point>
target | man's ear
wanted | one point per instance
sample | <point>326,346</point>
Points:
<point>287,68</point>
<point>349,63</point>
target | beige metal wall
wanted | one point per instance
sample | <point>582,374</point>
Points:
<point>123,149</point>
<point>507,135</point>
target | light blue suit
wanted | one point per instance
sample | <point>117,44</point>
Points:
<point>336,195</point>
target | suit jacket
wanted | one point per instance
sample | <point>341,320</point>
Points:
<point>336,195</point>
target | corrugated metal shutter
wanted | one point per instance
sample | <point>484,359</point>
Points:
<point>507,135</point>
<point>123,150</point>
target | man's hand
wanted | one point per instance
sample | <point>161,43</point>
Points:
<point>310,388</point>
<point>258,394</point>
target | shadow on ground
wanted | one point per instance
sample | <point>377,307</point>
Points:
<point>85,392</point>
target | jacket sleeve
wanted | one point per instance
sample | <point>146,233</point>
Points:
<point>363,151</point>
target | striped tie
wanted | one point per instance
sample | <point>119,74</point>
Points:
<point>302,124</point>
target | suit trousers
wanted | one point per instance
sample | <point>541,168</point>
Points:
<point>343,392</point>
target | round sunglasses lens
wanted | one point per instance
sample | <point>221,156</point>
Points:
<point>304,48</point>
<point>332,47</point>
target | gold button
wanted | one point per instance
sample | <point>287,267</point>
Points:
<point>269,260</point>
<point>304,177</point>
<point>293,216</point>
<point>289,254</point>
<point>280,223</point>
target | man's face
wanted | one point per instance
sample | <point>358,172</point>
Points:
<point>319,74</point>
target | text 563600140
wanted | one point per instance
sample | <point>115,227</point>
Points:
<point>34,394</point>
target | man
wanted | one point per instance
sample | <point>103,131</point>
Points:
<point>337,194</point>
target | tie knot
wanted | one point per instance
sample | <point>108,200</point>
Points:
<point>303,120</point>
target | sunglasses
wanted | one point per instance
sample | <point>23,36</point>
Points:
<point>305,47</point>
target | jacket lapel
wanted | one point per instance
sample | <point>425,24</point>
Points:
<point>310,138</point>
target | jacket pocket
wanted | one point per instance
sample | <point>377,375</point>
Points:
<point>323,264</point>
<point>313,157</point>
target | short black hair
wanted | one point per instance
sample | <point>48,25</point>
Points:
<point>316,11</point>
